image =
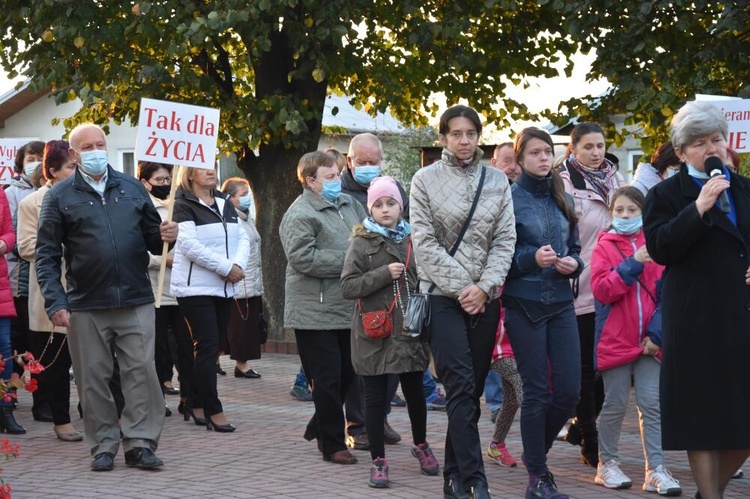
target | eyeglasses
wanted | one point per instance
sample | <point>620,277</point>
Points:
<point>161,180</point>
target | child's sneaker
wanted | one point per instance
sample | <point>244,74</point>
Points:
<point>660,480</point>
<point>500,455</point>
<point>379,473</point>
<point>427,462</point>
<point>611,476</point>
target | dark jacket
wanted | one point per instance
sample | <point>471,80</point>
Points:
<point>540,222</point>
<point>359,192</point>
<point>106,240</point>
<point>366,277</point>
<point>706,314</point>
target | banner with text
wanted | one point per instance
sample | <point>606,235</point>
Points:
<point>8,150</point>
<point>737,113</point>
<point>177,134</point>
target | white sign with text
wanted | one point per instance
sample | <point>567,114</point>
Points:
<point>737,113</point>
<point>177,134</point>
<point>8,150</point>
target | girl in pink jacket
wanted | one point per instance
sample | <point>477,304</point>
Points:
<point>623,281</point>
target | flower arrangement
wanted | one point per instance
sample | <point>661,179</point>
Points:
<point>9,450</point>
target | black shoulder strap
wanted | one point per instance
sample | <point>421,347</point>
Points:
<point>468,219</point>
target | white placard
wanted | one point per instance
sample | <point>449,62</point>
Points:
<point>177,134</point>
<point>737,114</point>
<point>8,150</point>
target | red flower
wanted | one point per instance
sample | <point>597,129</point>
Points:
<point>33,366</point>
<point>31,385</point>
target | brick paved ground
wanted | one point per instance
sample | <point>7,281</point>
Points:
<point>266,457</point>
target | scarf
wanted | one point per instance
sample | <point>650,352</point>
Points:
<point>397,235</point>
<point>601,179</point>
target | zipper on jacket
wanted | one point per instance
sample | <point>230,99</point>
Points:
<point>547,286</point>
<point>638,296</point>
<point>226,235</point>
<point>321,291</point>
<point>114,247</point>
<point>190,273</point>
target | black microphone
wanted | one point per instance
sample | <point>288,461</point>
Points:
<point>715,166</point>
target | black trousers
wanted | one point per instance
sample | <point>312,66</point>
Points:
<point>207,318</point>
<point>462,348</point>
<point>354,405</point>
<point>54,381</point>
<point>376,393</point>
<point>170,317</point>
<point>20,337</point>
<point>327,360</point>
<point>592,386</point>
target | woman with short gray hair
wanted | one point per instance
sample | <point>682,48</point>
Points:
<point>705,245</point>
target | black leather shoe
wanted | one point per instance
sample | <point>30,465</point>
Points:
<point>219,428</point>
<point>220,371</point>
<point>169,390</point>
<point>167,411</point>
<point>250,373</point>
<point>453,488</point>
<point>358,442</point>
<point>103,461</point>
<point>142,457</point>
<point>44,415</point>
<point>480,491</point>
<point>8,423</point>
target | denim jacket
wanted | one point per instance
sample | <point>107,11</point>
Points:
<point>540,222</point>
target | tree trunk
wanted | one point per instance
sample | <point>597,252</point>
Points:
<point>275,187</point>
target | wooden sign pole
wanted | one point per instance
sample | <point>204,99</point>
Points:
<point>165,250</point>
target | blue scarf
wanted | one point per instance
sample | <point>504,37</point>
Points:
<point>397,235</point>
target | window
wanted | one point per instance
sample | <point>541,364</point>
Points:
<point>127,161</point>
<point>634,157</point>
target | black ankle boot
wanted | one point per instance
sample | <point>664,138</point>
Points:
<point>590,449</point>
<point>8,423</point>
<point>574,436</point>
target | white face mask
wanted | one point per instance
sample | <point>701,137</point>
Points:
<point>94,162</point>
<point>30,168</point>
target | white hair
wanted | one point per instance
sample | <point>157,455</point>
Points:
<point>73,136</point>
<point>696,119</point>
<point>364,137</point>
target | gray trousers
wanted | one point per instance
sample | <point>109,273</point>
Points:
<point>90,340</point>
<point>645,371</point>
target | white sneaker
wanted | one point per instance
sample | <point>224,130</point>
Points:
<point>611,476</point>
<point>661,481</point>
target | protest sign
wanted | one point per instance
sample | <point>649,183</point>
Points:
<point>8,150</point>
<point>177,134</point>
<point>737,113</point>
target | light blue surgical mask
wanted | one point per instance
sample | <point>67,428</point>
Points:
<point>693,172</point>
<point>30,168</point>
<point>363,175</point>
<point>94,162</point>
<point>672,173</point>
<point>627,226</point>
<point>331,190</point>
<point>245,201</point>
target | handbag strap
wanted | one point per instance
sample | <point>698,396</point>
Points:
<point>390,309</point>
<point>467,222</point>
<point>650,294</point>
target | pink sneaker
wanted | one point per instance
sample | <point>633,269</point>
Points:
<point>379,474</point>
<point>427,462</point>
<point>499,454</point>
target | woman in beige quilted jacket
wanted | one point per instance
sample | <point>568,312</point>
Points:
<point>462,281</point>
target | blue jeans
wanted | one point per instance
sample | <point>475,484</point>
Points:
<point>547,352</point>
<point>6,351</point>
<point>493,391</point>
<point>429,385</point>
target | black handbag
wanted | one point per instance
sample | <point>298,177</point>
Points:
<point>417,315</point>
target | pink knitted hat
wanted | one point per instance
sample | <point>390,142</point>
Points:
<point>383,186</point>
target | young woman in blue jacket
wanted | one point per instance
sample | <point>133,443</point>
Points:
<point>538,299</point>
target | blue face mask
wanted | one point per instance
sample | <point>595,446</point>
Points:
<point>30,168</point>
<point>693,172</point>
<point>331,190</point>
<point>246,201</point>
<point>627,226</point>
<point>363,175</point>
<point>672,173</point>
<point>94,162</point>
